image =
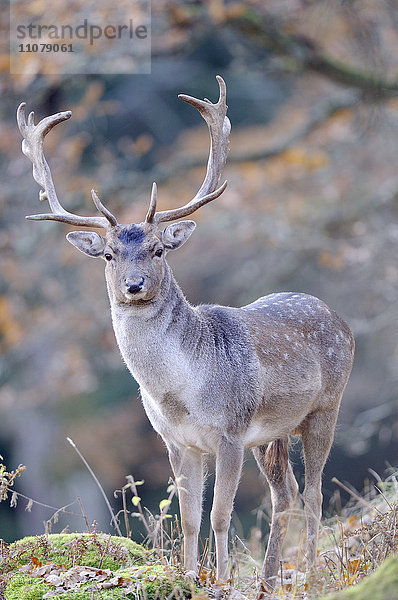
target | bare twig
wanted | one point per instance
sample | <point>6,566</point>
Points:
<point>113,519</point>
<point>383,496</point>
<point>356,496</point>
<point>43,505</point>
<point>84,514</point>
<point>126,520</point>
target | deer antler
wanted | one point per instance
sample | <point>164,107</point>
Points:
<point>219,129</point>
<point>32,146</point>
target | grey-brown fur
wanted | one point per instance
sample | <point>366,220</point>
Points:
<point>214,379</point>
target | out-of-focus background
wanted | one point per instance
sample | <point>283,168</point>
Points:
<point>311,206</point>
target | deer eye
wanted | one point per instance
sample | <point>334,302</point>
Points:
<point>108,256</point>
<point>159,252</point>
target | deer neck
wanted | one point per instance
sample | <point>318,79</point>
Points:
<point>151,335</point>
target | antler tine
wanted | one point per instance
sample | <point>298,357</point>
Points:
<point>188,209</point>
<point>32,146</point>
<point>101,208</point>
<point>152,205</point>
<point>219,129</point>
<point>219,126</point>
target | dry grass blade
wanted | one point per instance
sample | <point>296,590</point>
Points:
<point>113,518</point>
<point>353,494</point>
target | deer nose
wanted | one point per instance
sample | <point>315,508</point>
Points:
<point>134,286</point>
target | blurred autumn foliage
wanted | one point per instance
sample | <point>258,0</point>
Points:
<point>311,205</point>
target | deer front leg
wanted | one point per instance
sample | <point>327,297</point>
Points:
<point>229,462</point>
<point>187,467</point>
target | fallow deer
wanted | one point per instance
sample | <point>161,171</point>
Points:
<point>214,379</point>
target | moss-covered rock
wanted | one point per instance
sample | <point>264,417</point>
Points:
<point>83,566</point>
<point>150,583</point>
<point>90,549</point>
<point>381,585</point>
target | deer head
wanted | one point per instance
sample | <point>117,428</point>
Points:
<point>134,254</point>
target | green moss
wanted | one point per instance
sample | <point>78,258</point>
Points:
<point>146,579</point>
<point>381,585</point>
<point>158,581</point>
<point>151,582</point>
<point>92,550</point>
<point>22,587</point>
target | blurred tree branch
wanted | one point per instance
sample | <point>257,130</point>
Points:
<point>272,35</point>
<point>267,33</point>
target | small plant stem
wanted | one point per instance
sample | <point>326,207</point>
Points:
<point>172,556</point>
<point>338,553</point>
<point>179,536</point>
<point>162,513</point>
<point>161,536</point>
<point>347,563</point>
<point>326,559</point>
<point>113,519</point>
<point>143,519</point>
<point>104,552</point>
<point>344,554</point>
<point>84,514</point>
<point>210,548</point>
<point>204,556</point>
<point>125,514</point>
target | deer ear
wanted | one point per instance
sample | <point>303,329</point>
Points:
<point>176,235</point>
<point>89,242</point>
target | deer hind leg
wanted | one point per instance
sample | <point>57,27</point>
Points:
<point>273,462</point>
<point>229,462</point>
<point>187,466</point>
<point>317,436</point>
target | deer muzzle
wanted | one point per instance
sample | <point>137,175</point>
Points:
<point>134,286</point>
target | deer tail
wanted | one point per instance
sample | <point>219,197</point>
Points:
<point>276,460</point>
